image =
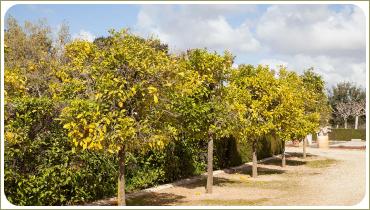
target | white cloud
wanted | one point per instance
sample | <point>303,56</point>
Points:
<point>333,41</point>
<point>195,26</point>
<point>333,69</point>
<point>304,36</point>
<point>84,35</point>
<point>313,29</point>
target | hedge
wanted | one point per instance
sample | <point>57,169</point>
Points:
<point>42,169</point>
<point>66,178</point>
<point>347,134</point>
<point>341,134</point>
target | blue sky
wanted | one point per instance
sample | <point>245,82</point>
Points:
<point>330,38</point>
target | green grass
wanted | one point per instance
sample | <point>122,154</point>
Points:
<point>321,163</point>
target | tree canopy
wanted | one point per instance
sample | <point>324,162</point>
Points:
<point>124,93</point>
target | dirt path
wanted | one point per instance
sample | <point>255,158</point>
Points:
<point>325,177</point>
<point>343,183</point>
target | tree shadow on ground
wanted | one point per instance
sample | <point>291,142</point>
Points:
<point>247,169</point>
<point>154,199</point>
<point>217,181</point>
<point>277,162</point>
<point>298,154</point>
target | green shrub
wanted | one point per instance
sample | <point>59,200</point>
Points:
<point>42,169</point>
<point>347,134</point>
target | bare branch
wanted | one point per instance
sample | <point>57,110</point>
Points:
<point>344,109</point>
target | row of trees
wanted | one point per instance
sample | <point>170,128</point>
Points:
<point>123,93</point>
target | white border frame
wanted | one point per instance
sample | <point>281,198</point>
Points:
<point>6,5</point>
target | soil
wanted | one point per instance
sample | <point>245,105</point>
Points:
<point>325,177</point>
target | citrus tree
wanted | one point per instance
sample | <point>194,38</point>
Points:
<point>199,105</point>
<point>317,110</point>
<point>290,111</point>
<point>114,93</point>
<point>256,94</point>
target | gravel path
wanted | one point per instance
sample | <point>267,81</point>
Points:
<point>341,184</point>
<point>326,177</point>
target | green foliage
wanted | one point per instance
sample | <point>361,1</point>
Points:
<point>67,177</point>
<point>198,101</point>
<point>186,158</point>
<point>347,134</point>
<point>317,107</point>
<point>119,104</point>
<point>341,134</point>
<point>255,99</point>
<point>30,58</point>
<point>290,120</point>
<point>70,106</point>
<point>40,166</point>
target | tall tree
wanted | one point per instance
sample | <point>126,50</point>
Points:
<point>344,110</point>
<point>200,105</point>
<point>290,109</point>
<point>256,100</point>
<point>344,92</point>
<point>317,109</point>
<point>29,54</point>
<point>116,105</point>
<point>358,109</point>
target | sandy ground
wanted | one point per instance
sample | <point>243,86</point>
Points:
<point>325,177</point>
<point>343,183</point>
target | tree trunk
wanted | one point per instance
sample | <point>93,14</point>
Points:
<point>121,198</point>
<point>304,148</point>
<point>345,123</point>
<point>356,122</point>
<point>254,167</point>
<point>283,161</point>
<point>210,165</point>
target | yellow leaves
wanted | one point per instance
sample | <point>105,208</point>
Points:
<point>152,89</point>
<point>107,120</point>
<point>84,145</point>
<point>9,135</point>
<point>133,89</point>
<point>75,142</point>
<point>160,144</point>
<point>155,98</point>
<point>67,126</point>
<point>98,96</point>
<point>14,82</point>
<point>79,50</point>
<point>157,141</point>
<point>120,104</point>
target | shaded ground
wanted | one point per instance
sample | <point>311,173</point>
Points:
<point>325,177</point>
